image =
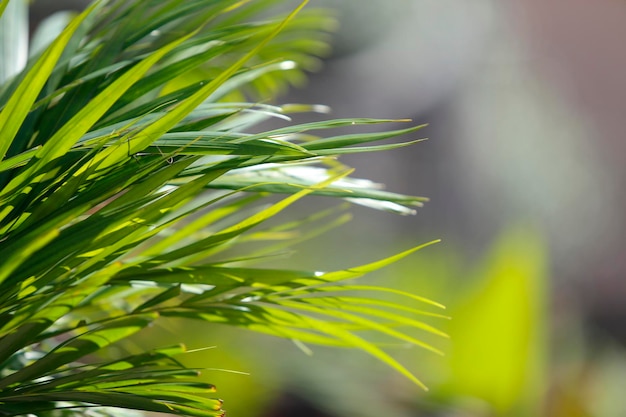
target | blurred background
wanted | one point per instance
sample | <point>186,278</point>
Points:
<point>525,168</point>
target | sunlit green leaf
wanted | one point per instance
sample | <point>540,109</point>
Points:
<point>137,181</point>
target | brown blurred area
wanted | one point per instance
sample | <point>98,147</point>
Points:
<point>579,48</point>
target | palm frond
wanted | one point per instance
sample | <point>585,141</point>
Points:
<point>129,166</point>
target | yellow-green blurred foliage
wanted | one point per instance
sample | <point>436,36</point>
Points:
<point>498,329</point>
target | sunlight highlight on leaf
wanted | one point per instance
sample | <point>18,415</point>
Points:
<point>137,183</point>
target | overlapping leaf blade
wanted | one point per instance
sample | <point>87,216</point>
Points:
<point>129,176</point>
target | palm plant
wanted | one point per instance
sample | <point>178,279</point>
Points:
<point>132,181</point>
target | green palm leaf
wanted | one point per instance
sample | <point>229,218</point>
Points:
<point>134,176</point>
